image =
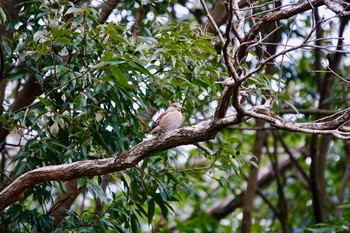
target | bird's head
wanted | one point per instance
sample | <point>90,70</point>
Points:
<point>177,106</point>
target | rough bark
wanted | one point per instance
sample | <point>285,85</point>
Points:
<point>187,135</point>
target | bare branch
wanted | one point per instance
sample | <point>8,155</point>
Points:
<point>273,17</point>
<point>332,127</point>
<point>239,16</point>
<point>335,8</point>
<point>213,23</point>
<point>336,75</point>
<point>64,200</point>
<point>227,206</point>
<point>187,135</point>
<point>203,148</point>
<point>292,158</point>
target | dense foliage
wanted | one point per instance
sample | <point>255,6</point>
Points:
<point>99,82</point>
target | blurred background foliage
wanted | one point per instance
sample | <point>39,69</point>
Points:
<point>102,81</point>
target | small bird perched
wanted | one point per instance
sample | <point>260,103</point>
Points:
<point>169,120</point>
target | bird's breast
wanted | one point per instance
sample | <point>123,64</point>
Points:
<point>171,122</point>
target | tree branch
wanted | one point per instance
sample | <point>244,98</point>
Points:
<point>332,127</point>
<point>292,158</point>
<point>273,17</point>
<point>187,135</point>
<point>107,8</point>
<point>64,200</point>
<point>346,176</point>
<point>219,14</point>
<point>213,22</point>
<point>202,131</point>
<point>252,181</point>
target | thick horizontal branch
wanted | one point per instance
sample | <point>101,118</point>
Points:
<point>202,131</point>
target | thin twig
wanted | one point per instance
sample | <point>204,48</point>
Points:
<point>212,21</point>
<point>204,148</point>
<point>335,74</point>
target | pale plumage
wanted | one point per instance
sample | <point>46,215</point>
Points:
<point>169,120</point>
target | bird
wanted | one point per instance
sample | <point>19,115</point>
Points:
<point>169,120</point>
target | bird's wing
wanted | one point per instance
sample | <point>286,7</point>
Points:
<point>156,123</point>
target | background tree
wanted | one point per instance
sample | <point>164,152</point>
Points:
<point>264,86</point>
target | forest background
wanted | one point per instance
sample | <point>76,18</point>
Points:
<point>265,91</point>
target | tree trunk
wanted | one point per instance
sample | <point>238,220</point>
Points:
<point>248,198</point>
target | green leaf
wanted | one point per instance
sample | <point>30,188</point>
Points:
<point>81,182</point>
<point>148,40</point>
<point>120,77</point>
<point>96,190</point>
<point>158,199</point>
<point>150,212</point>
<point>2,15</point>
<point>46,102</point>
<point>284,96</point>
<point>345,205</point>
<point>173,47</point>
<point>107,56</point>
<point>100,65</point>
<point>73,10</point>
<point>292,106</point>
<point>114,35</point>
<point>64,41</point>
<point>62,187</point>
<point>319,228</point>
